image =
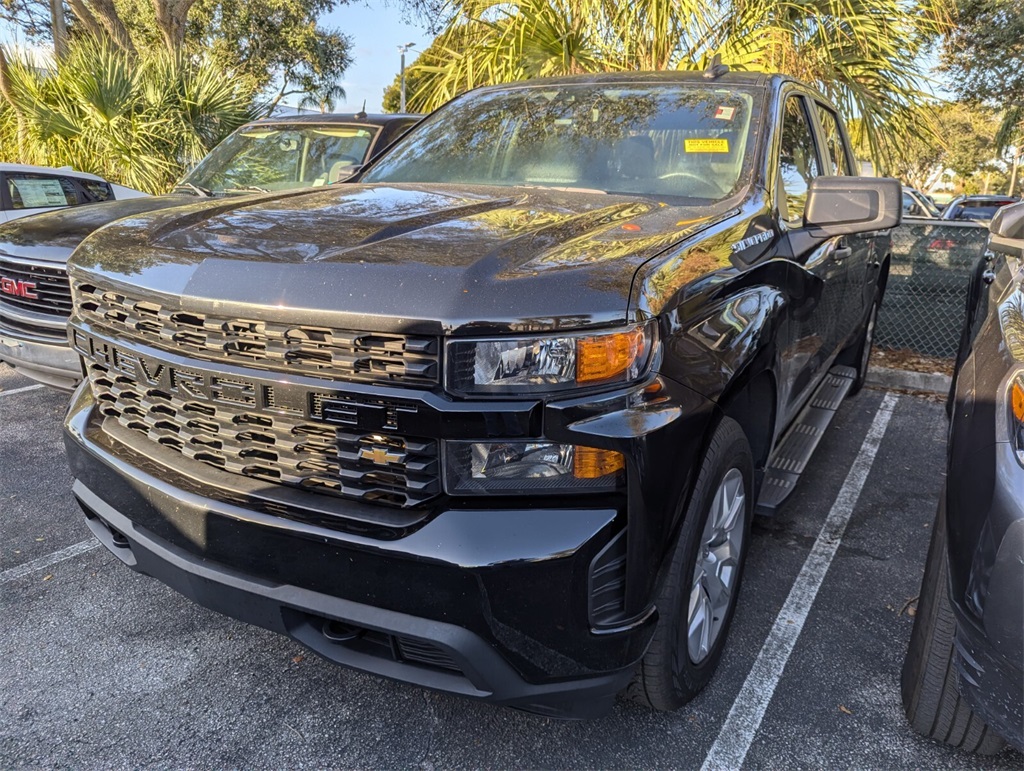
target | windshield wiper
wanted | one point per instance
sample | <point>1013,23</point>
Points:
<point>246,189</point>
<point>202,192</point>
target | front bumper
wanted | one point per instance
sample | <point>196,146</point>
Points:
<point>481,598</point>
<point>45,360</point>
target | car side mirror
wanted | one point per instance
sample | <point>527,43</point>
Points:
<point>1007,229</point>
<point>838,206</point>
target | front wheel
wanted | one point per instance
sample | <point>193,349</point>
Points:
<point>930,683</point>
<point>697,602</point>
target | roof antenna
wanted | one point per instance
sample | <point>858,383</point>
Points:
<point>362,113</point>
<point>715,68</point>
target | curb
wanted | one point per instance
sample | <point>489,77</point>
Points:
<point>932,382</point>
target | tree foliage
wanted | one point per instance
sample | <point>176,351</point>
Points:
<point>984,52</point>
<point>274,43</point>
<point>274,47</point>
<point>966,142</point>
<point>864,54</point>
<point>136,119</point>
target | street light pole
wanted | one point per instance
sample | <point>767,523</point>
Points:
<point>402,50</point>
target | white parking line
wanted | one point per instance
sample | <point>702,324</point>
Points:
<point>22,389</point>
<point>741,726</point>
<point>50,559</point>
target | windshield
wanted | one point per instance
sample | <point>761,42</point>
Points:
<point>281,158</point>
<point>680,141</point>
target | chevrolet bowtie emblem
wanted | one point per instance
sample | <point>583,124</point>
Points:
<point>381,456</point>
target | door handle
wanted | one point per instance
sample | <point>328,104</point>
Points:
<point>841,253</point>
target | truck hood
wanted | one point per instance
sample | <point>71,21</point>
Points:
<point>397,257</point>
<point>52,236</point>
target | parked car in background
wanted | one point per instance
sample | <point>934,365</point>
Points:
<point>976,208</point>
<point>917,204</point>
<point>962,679</point>
<point>26,190</point>
<point>276,154</point>
<point>294,152</point>
<point>495,418</point>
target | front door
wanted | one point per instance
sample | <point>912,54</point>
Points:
<point>814,326</point>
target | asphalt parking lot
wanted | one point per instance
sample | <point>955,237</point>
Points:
<point>101,667</point>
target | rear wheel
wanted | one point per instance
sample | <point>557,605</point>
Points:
<point>699,596</point>
<point>930,683</point>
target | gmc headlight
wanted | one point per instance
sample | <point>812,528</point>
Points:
<point>530,468</point>
<point>549,364</point>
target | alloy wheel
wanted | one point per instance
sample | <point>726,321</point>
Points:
<point>717,567</point>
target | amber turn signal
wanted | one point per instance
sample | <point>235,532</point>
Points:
<point>592,463</point>
<point>604,357</point>
<point>1017,400</point>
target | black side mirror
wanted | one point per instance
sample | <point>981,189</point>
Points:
<point>838,206</point>
<point>1007,229</point>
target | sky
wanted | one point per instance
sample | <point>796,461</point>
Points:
<point>376,34</point>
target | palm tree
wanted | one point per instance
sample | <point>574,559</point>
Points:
<point>137,119</point>
<point>863,54</point>
<point>324,97</point>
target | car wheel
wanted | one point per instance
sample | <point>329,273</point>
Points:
<point>930,683</point>
<point>698,599</point>
<point>858,355</point>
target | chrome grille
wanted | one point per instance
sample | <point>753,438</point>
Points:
<point>318,351</point>
<point>379,468</point>
<point>50,285</point>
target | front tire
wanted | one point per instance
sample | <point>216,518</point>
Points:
<point>698,599</point>
<point>930,683</point>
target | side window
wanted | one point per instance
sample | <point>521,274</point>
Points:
<point>40,191</point>
<point>838,161</point>
<point>798,161</point>
<point>95,190</point>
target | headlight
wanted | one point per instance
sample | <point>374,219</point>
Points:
<point>536,365</point>
<point>1017,416</point>
<point>516,468</point>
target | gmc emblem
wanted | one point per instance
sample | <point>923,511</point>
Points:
<point>18,288</point>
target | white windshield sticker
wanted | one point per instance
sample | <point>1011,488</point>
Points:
<point>40,193</point>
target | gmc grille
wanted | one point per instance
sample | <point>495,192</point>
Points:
<point>317,351</point>
<point>49,284</point>
<point>382,468</point>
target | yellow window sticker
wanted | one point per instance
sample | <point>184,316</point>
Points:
<point>706,145</point>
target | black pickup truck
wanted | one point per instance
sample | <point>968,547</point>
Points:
<point>495,418</point>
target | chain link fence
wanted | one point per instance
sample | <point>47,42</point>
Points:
<point>923,310</point>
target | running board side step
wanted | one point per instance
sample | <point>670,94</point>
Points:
<point>790,458</point>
